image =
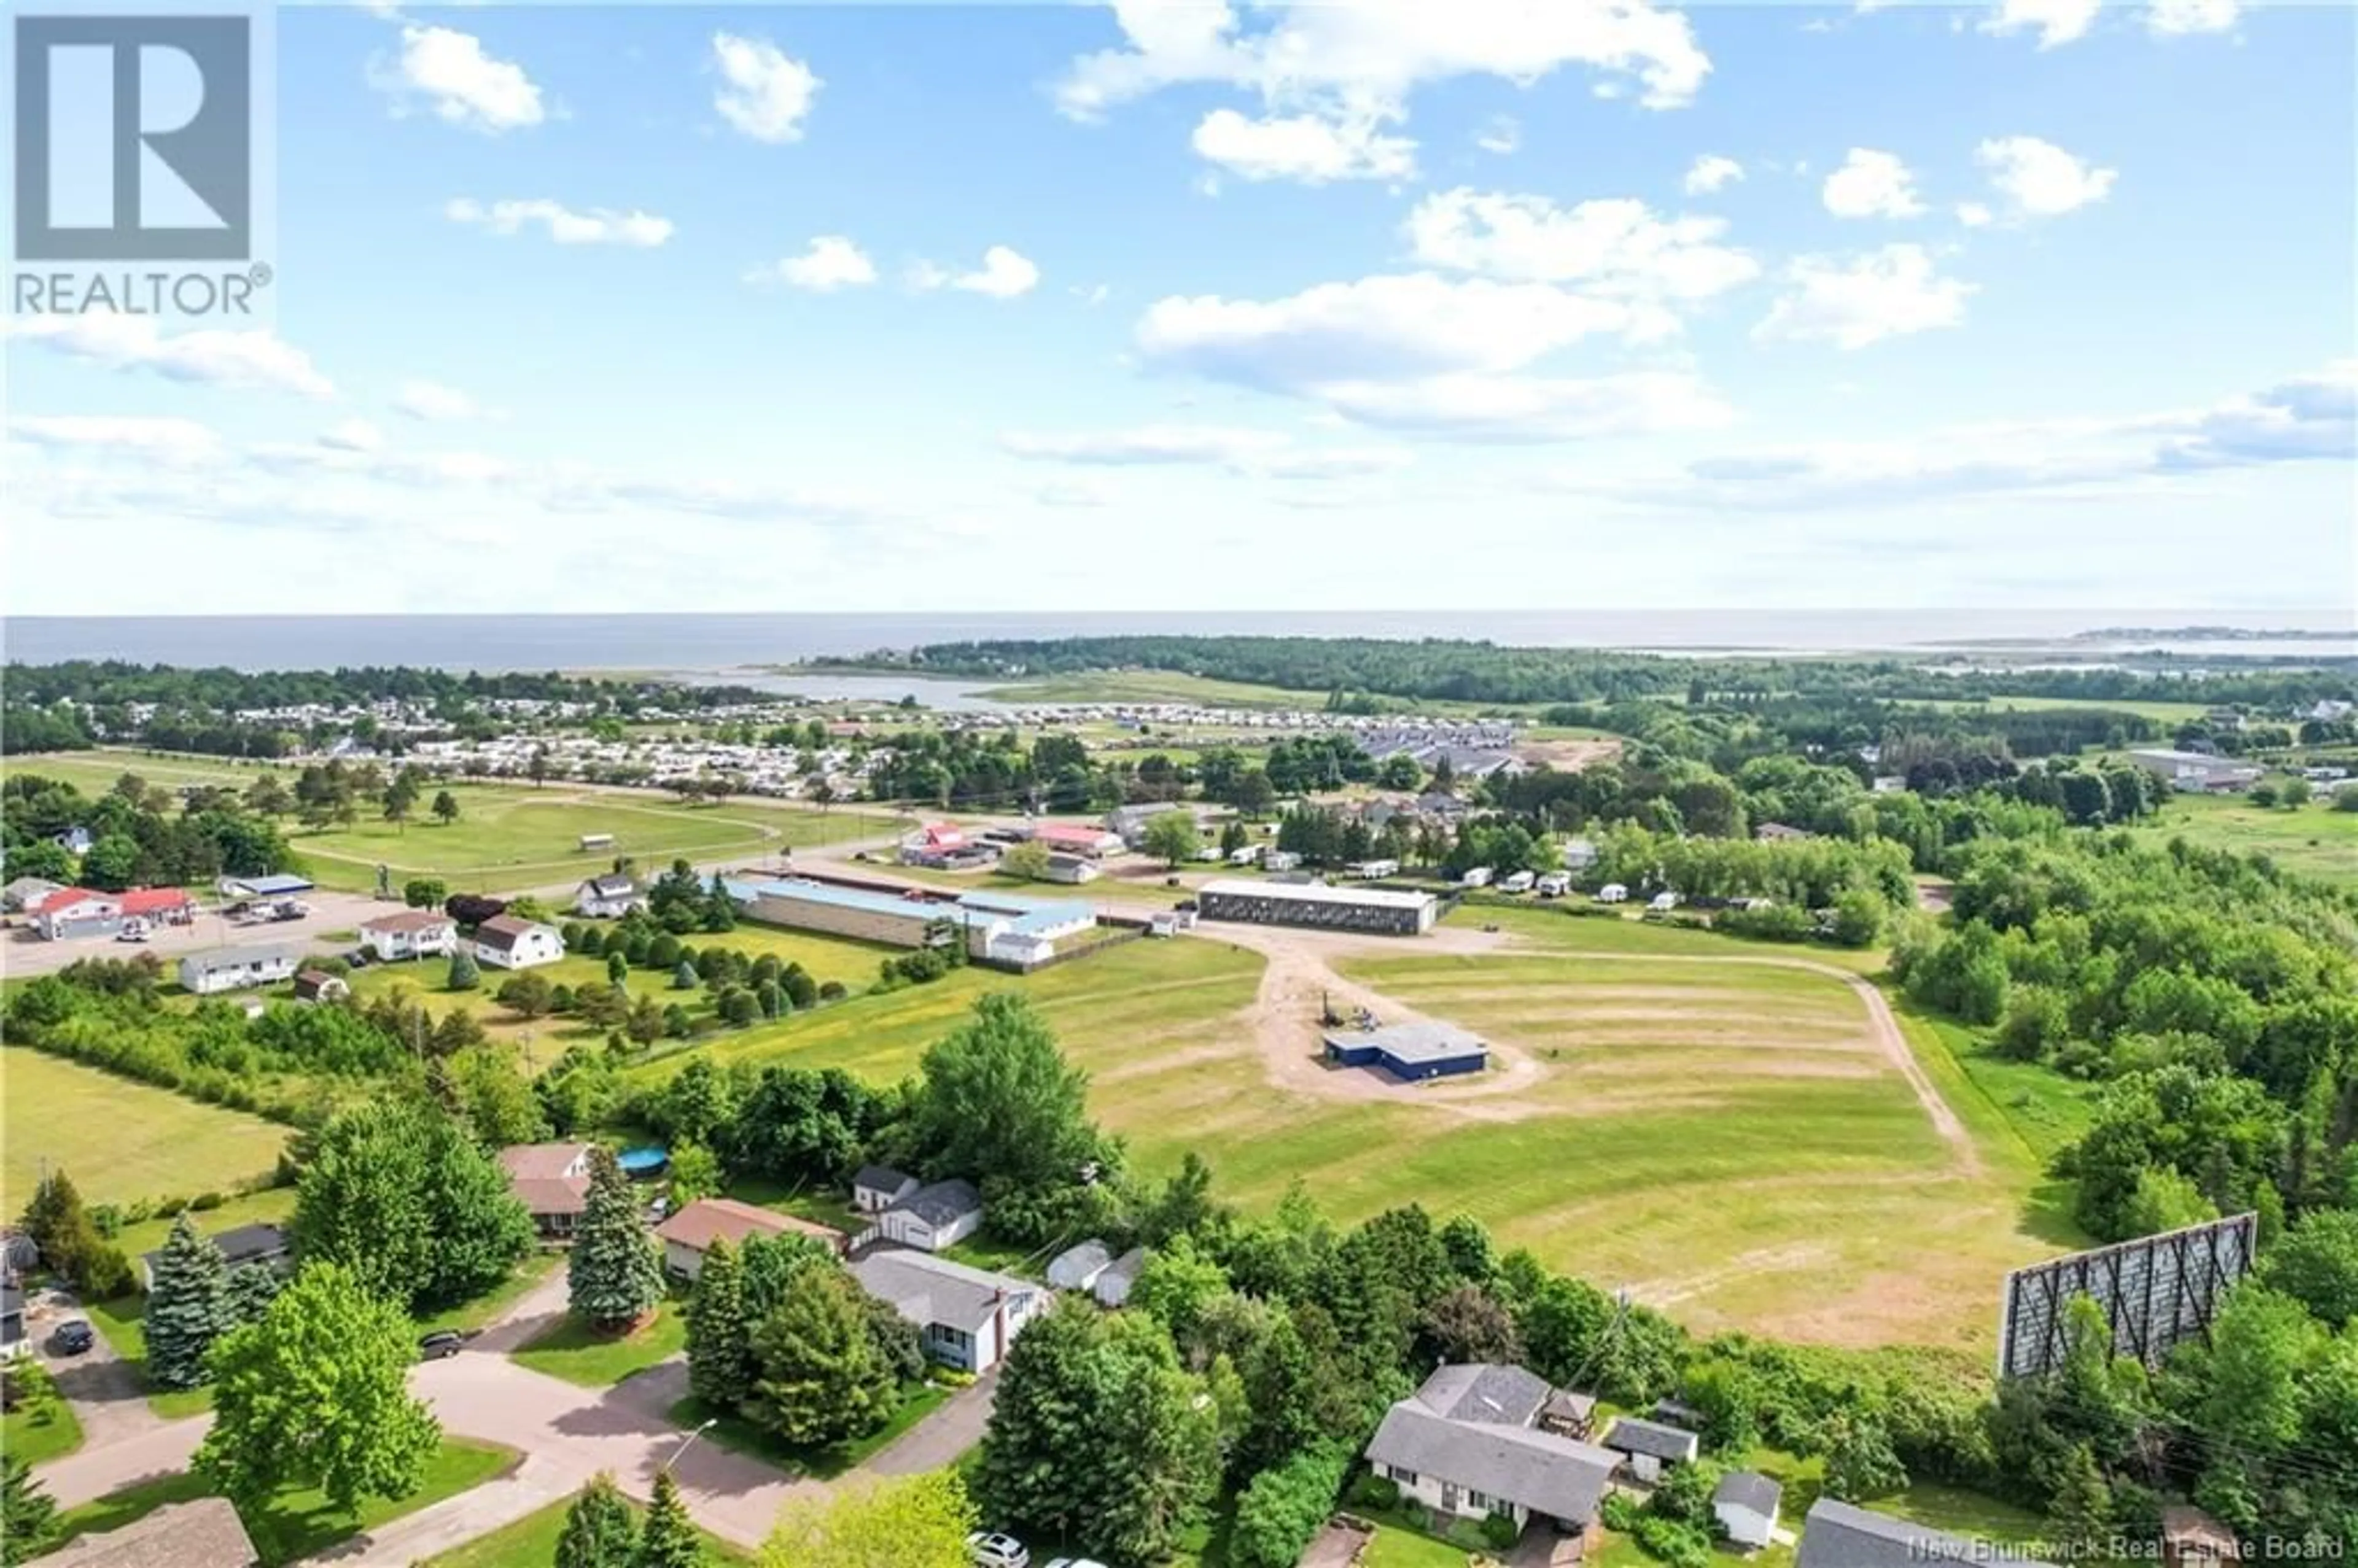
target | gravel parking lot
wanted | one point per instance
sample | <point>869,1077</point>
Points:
<point>26,954</point>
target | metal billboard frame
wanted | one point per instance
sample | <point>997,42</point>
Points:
<point>2156,1293</point>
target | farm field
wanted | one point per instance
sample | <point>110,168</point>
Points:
<point>120,1140</point>
<point>94,772</point>
<point>1727,1138</point>
<point>2159,712</point>
<point>2313,840</point>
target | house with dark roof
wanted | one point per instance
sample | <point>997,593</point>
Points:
<point>938,1215</point>
<point>1841,1535</point>
<point>964,1317</point>
<point>875,1188</point>
<point>1745,1504</point>
<point>204,1532</point>
<point>320,986</point>
<point>1651,1447</point>
<point>689,1234</point>
<point>1465,1445</point>
<point>247,1244</point>
<point>552,1181</point>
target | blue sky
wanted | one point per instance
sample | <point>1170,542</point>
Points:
<point>1154,307</point>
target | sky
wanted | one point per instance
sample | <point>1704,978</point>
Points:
<point>1164,307</point>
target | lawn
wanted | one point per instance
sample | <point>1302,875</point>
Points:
<point>300,1521</point>
<point>120,1141</point>
<point>530,1542</point>
<point>1928,1503</point>
<point>572,1350</point>
<point>735,1433</point>
<point>484,1309</point>
<point>271,1206</point>
<point>2313,840</point>
<point>37,1439</point>
<point>124,1322</point>
<point>95,772</point>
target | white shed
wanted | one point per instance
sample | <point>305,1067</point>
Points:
<point>1745,1506</point>
<point>1112,1286</point>
<point>1077,1268</point>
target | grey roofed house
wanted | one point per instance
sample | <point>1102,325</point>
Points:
<point>612,885</point>
<point>941,1202</point>
<point>1480,1391</point>
<point>1539,1470</point>
<point>924,1288</point>
<point>1749,1490</point>
<point>1112,1286</point>
<point>1837,1535</point>
<point>239,960</point>
<point>882,1179</point>
<point>1632,1435</point>
<point>245,1244</point>
<point>26,892</point>
<point>204,1532</point>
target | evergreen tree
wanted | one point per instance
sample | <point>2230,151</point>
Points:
<point>615,1275</point>
<point>26,1511</point>
<point>821,1378</point>
<point>668,1538</point>
<point>464,976</point>
<point>599,1530</point>
<point>189,1306</point>
<point>62,1228</point>
<point>252,1288</point>
<point>720,1356</point>
<point>2081,1508</point>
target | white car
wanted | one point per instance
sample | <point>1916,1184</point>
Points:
<point>1077,1562</point>
<point>990,1549</point>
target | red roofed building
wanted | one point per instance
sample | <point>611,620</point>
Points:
<point>1078,839</point>
<point>69,913</point>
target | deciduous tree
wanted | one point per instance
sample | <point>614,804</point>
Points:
<point>917,1521</point>
<point>819,1378</point>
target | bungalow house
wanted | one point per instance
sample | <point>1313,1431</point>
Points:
<point>26,892</point>
<point>1578,854</point>
<point>1113,1281</point>
<point>508,942</point>
<point>552,1181</point>
<point>1128,823</point>
<point>1071,869</point>
<point>1077,1268</point>
<point>319,986</point>
<point>410,933</point>
<point>933,1216</point>
<point>1781,833</point>
<point>75,912</point>
<point>1078,839</point>
<point>1465,1446</point>
<point>689,1234</point>
<point>203,1532</point>
<point>244,1245</point>
<point>13,1342</point>
<point>237,968</point>
<point>1745,1504</point>
<point>608,897</point>
<point>1649,1447</point>
<point>1839,1535</point>
<point>875,1188</point>
<point>964,1317</point>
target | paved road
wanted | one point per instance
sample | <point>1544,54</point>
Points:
<point>108,1395</point>
<point>454,1521</point>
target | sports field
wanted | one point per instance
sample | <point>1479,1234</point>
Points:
<point>120,1140</point>
<point>2313,840</point>
<point>1730,1135</point>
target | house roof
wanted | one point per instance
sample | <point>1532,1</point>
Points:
<point>1481,1391</point>
<point>1539,1470</point>
<point>551,1194</point>
<point>2185,1525</point>
<point>542,1161</point>
<point>1749,1490</point>
<point>708,1220</point>
<point>1312,892</point>
<point>1080,1265</point>
<point>278,883</point>
<point>504,931</point>
<point>1124,1268</point>
<point>1411,1042</point>
<point>1565,1403</point>
<point>1838,1535</point>
<point>311,982</point>
<point>245,1244</point>
<point>612,886</point>
<point>407,920</point>
<point>215,959</point>
<point>913,906</point>
<point>940,1203</point>
<point>148,901</point>
<point>1633,1434</point>
<point>882,1179</point>
<point>65,897</point>
<point>30,889</point>
<point>204,1532</point>
<point>926,1289</point>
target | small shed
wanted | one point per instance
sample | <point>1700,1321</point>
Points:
<point>1112,1287</point>
<point>320,986</point>
<point>596,841</point>
<point>1649,1447</point>
<point>1570,1414</point>
<point>875,1188</point>
<point>1745,1504</point>
<point>1077,1268</point>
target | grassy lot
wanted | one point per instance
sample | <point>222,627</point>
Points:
<point>120,1141</point>
<point>2165,713</point>
<point>481,1312</point>
<point>270,1207</point>
<point>530,1542</point>
<point>734,1431</point>
<point>2314,839</point>
<point>124,1322</point>
<point>300,1521</point>
<point>37,1440</point>
<point>95,772</point>
<point>570,1349</point>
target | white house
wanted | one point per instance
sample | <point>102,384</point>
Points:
<point>608,897</point>
<point>505,942</point>
<point>1651,1447</point>
<point>237,968</point>
<point>1579,854</point>
<point>875,1188</point>
<point>964,1317</point>
<point>1468,1446</point>
<point>1745,1506</point>
<point>933,1216</point>
<point>1613,892</point>
<point>688,1235</point>
<point>410,933</point>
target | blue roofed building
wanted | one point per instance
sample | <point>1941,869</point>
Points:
<point>1005,929</point>
<point>1408,1052</point>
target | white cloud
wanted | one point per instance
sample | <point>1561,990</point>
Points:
<point>830,261</point>
<point>256,359</point>
<point>1506,408</point>
<point>1887,293</point>
<point>765,94</point>
<point>1146,445</point>
<point>2177,16</point>
<point>597,226</point>
<point>1502,134</point>
<point>1333,462</point>
<point>1004,273</point>
<point>1616,247</point>
<point>353,436</point>
<point>1872,184</point>
<point>2312,417</point>
<point>1711,172</point>
<point>1071,492</point>
<point>2039,179</point>
<point>2055,21</point>
<point>1974,215</point>
<point>1312,148</point>
<point>1094,294</point>
<point>167,441</point>
<point>432,401</point>
<point>460,83</point>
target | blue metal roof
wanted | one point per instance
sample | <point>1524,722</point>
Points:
<point>282,882</point>
<point>841,898</point>
<point>1029,915</point>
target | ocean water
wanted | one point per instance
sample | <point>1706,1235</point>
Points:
<point>710,645</point>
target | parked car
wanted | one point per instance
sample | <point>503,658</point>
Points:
<point>74,1337</point>
<point>441,1343</point>
<point>990,1549</point>
<point>1077,1562</point>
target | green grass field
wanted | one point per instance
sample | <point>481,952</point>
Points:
<point>298,1522</point>
<point>2167,713</point>
<point>570,1349</point>
<point>530,1542</point>
<point>119,1139</point>
<point>2313,840</point>
<point>37,1439</point>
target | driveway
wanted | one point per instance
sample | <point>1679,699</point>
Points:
<point>937,1442</point>
<point>26,954</point>
<point>108,1394</point>
<point>536,1309</point>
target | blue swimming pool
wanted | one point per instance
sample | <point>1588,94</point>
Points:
<point>643,1161</point>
